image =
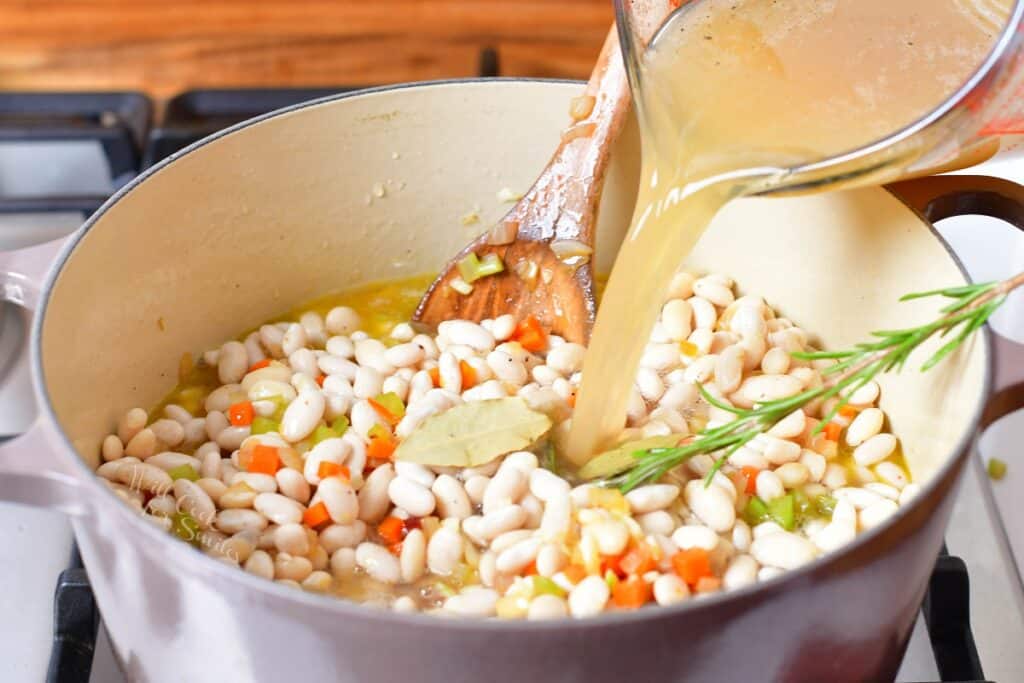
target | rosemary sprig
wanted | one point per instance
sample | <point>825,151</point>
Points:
<point>970,308</point>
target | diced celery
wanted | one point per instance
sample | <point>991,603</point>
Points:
<point>322,433</point>
<point>756,512</point>
<point>783,512</point>
<point>191,399</point>
<point>184,472</point>
<point>392,403</point>
<point>263,425</point>
<point>802,506</point>
<point>379,431</point>
<point>825,504</point>
<point>611,578</point>
<point>996,469</point>
<point>542,585</point>
<point>472,268</point>
<point>340,425</point>
<point>185,527</point>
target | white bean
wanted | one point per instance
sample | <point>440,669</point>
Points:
<point>611,536</point>
<point>704,314</point>
<point>291,538</point>
<point>380,564</point>
<point>866,425</point>
<point>742,571</point>
<point>503,519</point>
<point>302,415</point>
<point>411,496</point>
<point>783,550</point>
<point>729,369</point>
<point>875,449</point>
<point>232,362</point>
<point>342,320</point>
<point>277,508</point>
<point>343,536</point>
<point>567,358</point>
<point>712,505</point>
<point>517,557</point>
<point>233,521</point>
<point>414,556</point>
<point>472,602</point>
<point>292,484</point>
<point>452,500</point>
<point>588,597</point>
<point>669,589</point>
<point>547,606</point>
<point>695,536</point>
<point>142,445</point>
<point>340,500</point>
<point>444,551</point>
<point>343,562</point>
<point>762,388</point>
<point>652,497</point>
<point>373,496</point>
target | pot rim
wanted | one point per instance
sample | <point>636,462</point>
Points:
<point>208,568</point>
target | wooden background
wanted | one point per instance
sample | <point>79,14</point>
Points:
<point>165,46</point>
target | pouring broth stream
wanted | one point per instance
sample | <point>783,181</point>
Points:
<point>732,95</point>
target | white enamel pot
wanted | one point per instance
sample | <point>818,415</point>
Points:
<point>249,223</point>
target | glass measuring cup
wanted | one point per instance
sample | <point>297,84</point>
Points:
<point>982,117</point>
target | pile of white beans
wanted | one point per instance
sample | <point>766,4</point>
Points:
<point>478,531</point>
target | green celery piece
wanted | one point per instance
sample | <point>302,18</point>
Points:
<point>263,425</point>
<point>783,512</point>
<point>184,472</point>
<point>756,512</point>
<point>185,527</point>
<point>322,433</point>
<point>392,403</point>
<point>996,469</point>
<point>471,268</point>
<point>340,426</point>
<point>802,506</point>
<point>825,504</point>
<point>542,585</point>
<point>611,578</point>
<point>379,431</point>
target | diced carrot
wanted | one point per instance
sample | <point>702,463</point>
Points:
<point>708,584</point>
<point>392,530</point>
<point>331,469</point>
<point>612,563</point>
<point>469,378</point>
<point>631,593</point>
<point>258,365</point>
<point>316,515</point>
<point>530,335</point>
<point>530,569</point>
<point>241,414</point>
<point>638,560</point>
<point>320,379</point>
<point>692,564</point>
<point>689,348</point>
<point>849,411</point>
<point>381,448</point>
<point>575,573</point>
<point>435,376</point>
<point>751,474</point>
<point>832,430</point>
<point>264,460</point>
<point>571,400</point>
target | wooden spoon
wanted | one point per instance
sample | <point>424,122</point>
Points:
<point>557,214</point>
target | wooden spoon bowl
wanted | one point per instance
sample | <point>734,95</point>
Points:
<point>557,216</point>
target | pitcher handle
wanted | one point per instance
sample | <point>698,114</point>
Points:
<point>30,471</point>
<point>941,197</point>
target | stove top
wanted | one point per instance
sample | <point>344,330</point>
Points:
<point>61,155</point>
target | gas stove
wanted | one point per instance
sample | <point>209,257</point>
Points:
<point>61,155</point>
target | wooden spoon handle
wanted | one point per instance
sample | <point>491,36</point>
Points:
<point>562,204</point>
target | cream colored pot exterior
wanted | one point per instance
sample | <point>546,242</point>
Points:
<point>251,223</point>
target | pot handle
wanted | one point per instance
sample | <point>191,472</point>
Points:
<point>945,196</point>
<point>30,472</point>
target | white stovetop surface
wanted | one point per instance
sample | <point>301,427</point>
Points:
<point>987,528</point>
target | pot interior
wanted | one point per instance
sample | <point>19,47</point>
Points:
<point>250,224</point>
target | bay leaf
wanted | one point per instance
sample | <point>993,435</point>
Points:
<point>474,433</point>
<point>622,457</point>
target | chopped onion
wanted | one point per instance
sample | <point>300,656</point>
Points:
<point>527,271</point>
<point>460,286</point>
<point>580,130</point>
<point>503,233</point>
<point>580,107</point>
<point>567,249</point>
<point>547,275</point>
